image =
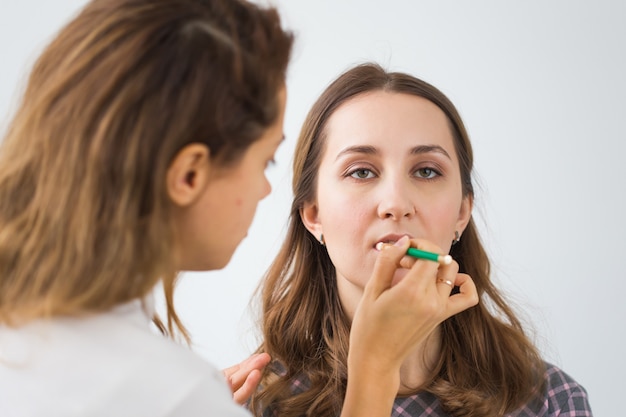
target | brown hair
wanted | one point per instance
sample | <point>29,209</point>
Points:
<point>488,366</point>
<point>125,85</point>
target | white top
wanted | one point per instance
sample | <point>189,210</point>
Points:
<point>111,364</point>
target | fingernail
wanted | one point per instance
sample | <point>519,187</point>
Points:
<point>401,241</point>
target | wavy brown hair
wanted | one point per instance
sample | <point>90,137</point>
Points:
<point>488,365</point>
<point>125,85</point>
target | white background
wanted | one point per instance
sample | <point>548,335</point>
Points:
<point>541,87</point>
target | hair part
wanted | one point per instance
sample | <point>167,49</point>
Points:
<point>488,366</point>
<point>84,213</point>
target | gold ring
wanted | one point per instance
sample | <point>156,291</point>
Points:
<point>446,281</point>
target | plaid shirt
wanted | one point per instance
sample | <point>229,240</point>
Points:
<point>563,397</point>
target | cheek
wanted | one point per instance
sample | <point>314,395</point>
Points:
<point>340,214</point>
<point>441,221</point>
<point>345,226</point>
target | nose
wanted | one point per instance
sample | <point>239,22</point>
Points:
<point>267,188</point>
<point>395,200</point>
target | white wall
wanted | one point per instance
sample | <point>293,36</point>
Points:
<point>540,85</point>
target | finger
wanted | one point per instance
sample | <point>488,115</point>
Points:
<point>422,272</point>
<point>237,374</point>
<point>467,296</point>
<point>446,278</point>
<point>241,395</point>
<point>228,372</point>
<point>407,262</point>
<point>386,264</point>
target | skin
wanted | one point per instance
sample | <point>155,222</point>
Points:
<point>214,206</point>
<point>391,322</point>
<point>212,209</point>
<point>243,378</point>
<point>400,306</point>
<point>389,170</point>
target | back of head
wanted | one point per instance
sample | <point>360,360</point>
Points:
<point>84,217</point>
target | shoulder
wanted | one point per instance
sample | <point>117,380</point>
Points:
<point>207,396</point>
<point>420,404</point>
<point>562,396</point>
<point>297,384</point>
<point>106,365</point>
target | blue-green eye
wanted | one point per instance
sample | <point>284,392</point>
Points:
<point>361,174</point>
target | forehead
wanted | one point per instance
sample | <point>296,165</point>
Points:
<point>389,119</point>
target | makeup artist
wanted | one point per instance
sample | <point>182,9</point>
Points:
<point>138,151</point>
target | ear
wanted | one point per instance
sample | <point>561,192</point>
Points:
<point>188,174</point>
<point>465,213</point>
<point>310,219</point>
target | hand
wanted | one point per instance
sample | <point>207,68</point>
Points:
<point>393,318</point>
<point>244,377</point>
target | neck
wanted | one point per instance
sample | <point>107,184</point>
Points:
<point>416,368</point>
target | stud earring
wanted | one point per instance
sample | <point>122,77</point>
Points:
<point>457,237</point>
<point>322,242</point>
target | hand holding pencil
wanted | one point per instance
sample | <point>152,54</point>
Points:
<point>422,254</point>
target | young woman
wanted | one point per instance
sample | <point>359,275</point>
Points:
<point>138,151</point>
<point>383,157</point>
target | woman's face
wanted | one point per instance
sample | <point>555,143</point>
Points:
<point>389,169</point>
<point>212,228</point>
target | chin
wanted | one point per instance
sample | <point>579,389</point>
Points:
<point>216,264</point>
<point>208,264</point>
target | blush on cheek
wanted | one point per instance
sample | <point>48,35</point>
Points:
<point>442,220</point>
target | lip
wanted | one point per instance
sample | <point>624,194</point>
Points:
<point>391,238</point>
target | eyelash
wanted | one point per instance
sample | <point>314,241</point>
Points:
<point>351,173</point>
<point>432,171</point>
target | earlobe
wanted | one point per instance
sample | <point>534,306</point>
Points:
<point>310,219</point>
<point>188,174</point>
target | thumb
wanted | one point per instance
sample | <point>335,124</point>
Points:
<point>387,263</point>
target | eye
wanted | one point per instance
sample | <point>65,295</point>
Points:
<point>361,173</point>
<point>427,173</point>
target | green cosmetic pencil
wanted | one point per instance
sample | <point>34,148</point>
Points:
<point>422,254</point>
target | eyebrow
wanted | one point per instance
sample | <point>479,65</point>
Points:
<point>371,150</point>
<point>429,148</point>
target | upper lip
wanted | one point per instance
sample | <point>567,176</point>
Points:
<point>391,238</point>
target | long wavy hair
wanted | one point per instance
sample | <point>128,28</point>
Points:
<point>487,367</point>
<point>84,214</point>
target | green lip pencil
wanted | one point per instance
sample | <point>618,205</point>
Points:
<point>422,254</point>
